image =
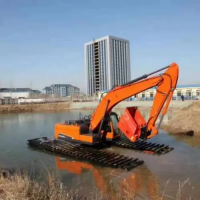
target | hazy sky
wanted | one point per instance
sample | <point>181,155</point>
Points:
<point>42,41</point>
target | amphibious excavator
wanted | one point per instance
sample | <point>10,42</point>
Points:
<point>104,127</point>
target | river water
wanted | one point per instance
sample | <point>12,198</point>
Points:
<point>157,176</point>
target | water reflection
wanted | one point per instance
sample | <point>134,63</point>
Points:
<point>140,183</point>
<point>192,141</point>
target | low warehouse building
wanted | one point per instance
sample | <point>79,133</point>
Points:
<point>18,93</point>
<point>190,92</point>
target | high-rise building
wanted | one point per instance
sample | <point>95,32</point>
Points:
<point>107,63</point>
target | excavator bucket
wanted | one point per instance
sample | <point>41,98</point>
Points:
<point>131,122</point>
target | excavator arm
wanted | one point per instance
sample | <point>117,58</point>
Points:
<point>165,84</point>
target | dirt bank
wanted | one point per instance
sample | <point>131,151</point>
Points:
<point>50,107</point>
<point>34,107</point>
<point>186,119</point>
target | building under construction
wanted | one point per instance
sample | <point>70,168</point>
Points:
<point>107,63</point>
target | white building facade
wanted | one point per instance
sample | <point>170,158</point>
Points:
<point>107,63</point>
<point>17,93</point>
<point>190,92</point>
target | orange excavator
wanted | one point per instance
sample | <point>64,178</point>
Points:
<point>105,125</point>
<point>83,137</point>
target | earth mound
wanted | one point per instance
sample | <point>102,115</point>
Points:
<point>185,121</point>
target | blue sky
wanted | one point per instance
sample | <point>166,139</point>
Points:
<point>42,41</point>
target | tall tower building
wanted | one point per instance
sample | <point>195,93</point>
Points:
<point>107,63</point>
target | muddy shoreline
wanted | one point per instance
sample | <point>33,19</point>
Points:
<point>31,108</point>
<point>62,106</point>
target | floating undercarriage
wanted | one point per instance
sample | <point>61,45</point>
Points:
<point>143,146</point>
<point>100,156</point>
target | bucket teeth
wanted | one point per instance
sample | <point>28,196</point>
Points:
<point>96,156</point>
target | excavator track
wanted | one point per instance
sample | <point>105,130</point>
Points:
<point>90,154</point>
<point>143,146</point>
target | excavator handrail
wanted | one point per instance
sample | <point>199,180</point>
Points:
<point>166,83</point>
<point>144,76</point>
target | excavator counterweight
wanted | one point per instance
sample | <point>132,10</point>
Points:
<point>104,128</point>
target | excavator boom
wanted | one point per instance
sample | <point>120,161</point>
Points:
<point>165,85</point>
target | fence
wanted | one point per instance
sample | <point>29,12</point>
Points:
<point>77,99</point>
<point>45,100</point>
<point>8,101</point>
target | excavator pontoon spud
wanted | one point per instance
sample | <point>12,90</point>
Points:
<point>82,138</point>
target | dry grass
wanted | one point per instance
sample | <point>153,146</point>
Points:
<point>20,187</point>
<point>185,119</point>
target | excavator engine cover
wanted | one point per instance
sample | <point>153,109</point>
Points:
<point>131,123</point>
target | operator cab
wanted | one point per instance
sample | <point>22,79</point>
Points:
<point>114,119</point>
<point>112,131</point>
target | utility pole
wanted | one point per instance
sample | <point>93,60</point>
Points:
<point>10,92</point>
<point>31,89</point>
<point>10,89</point>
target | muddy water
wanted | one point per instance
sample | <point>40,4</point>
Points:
<point>158,174</point>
